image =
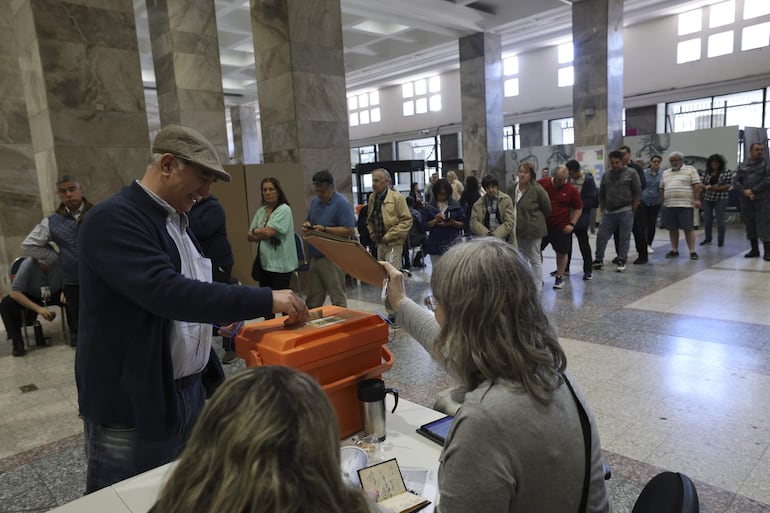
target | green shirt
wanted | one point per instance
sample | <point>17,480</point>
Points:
<point>283,257</point>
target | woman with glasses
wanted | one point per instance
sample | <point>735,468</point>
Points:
<point>516,443</point>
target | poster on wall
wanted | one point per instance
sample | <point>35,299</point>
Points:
<point>591,160</point>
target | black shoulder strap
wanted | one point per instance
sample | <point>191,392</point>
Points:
<point>586,426</point>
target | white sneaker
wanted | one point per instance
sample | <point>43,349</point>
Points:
<point>650,250</point>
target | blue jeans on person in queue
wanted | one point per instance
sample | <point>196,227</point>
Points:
<point>611,221</point>
<point>712,210</point>
<point>117,452</point>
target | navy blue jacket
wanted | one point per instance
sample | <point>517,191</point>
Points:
<point>130,290</point>
<point>589,195</point>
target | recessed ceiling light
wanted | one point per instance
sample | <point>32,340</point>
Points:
<point>379,27</point>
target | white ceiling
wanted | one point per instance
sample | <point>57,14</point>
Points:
<point>415,36</point>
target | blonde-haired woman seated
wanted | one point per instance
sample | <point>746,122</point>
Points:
<point>516,443</point>
<point>267,442</point>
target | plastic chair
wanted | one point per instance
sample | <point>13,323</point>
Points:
<point>28,317</point>
<point>668,492</point>
<point>303,265</point>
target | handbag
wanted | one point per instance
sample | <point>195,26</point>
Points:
<point>256,268</point>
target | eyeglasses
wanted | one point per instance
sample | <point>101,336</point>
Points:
<point>432,303</point>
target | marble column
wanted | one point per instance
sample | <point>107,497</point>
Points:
<point>188,74</point>
<point>247,141</point>
<point>301,86</point>
<point>597,95</point>
<point>83,91</point>
<point>19,192</point>
<point>481,88</point>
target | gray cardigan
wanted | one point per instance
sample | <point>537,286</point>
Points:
<point>506,452</point>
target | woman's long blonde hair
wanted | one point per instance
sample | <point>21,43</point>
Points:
<point>267,441</point>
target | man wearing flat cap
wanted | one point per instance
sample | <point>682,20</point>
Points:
<point>144,353</point>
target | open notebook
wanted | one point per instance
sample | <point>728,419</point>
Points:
<point>350,255</point>
<point>385,478</point>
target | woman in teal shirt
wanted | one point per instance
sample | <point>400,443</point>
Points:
<point>273,231</point>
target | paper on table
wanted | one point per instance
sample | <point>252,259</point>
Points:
<point>350,255</point>
<point>385,478</point>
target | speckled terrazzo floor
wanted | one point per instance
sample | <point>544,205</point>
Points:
<point>674,357</point>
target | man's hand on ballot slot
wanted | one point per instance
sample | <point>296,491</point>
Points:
<point>396,287</point>
<point>287,302</point>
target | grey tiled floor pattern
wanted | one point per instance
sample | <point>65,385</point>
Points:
<point>674,357</point>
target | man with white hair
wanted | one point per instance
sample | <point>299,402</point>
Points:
<point>680,192</point>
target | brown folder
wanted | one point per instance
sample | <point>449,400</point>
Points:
<point>350,255</point>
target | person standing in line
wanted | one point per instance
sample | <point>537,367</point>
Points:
<point>144,363</point>
<point>388,221</point>
<point>331,213</point>
<point>752,181</point>
<point>61,227</point>
<point>457,185</point>
<point>209,225</point>
<point>680,192</point>
<point>650,202</point>
<point>589,196</point>
<point>638,229</point>
<point>566,208</point>
<point>429,187</point>
<point>717,182</point>
<point>444,220</point>
<point>493,214</point>
<point>619,194</point>
<point>533,206</point>
<point>273,230</point>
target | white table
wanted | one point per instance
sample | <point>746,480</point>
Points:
<point>138,494</point>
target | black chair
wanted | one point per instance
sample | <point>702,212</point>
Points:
<point>303,265</point>
<point>668,492</point>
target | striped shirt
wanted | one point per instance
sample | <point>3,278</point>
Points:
<point>677,185</point>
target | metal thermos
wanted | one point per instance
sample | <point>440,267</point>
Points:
<point>39,338</point>
<point>371,394</point>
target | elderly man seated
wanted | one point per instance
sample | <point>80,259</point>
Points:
<point>35,286</point>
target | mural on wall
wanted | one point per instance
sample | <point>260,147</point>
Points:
<point>540,156</point>
<point>696,146</point>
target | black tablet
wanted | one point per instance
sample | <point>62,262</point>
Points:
<point>437,430</point>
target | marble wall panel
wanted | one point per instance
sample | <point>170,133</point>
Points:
<point>41,131</point>
<point>320,97</point>
<point>276,100</point>
<point>46,170</point>
<point>269,23</point>
<point>103,171</point>
<point>211,124</point>
<point>198,72</point>
<point>315,22</point>
<point>316,59</point>
<point>321,134</point>
<point>336,160</point>
<point>30,68</point>
<point>278,136</point>
<point>14,126</point>
<point>22,24</point>
<point>273,61</point>
<point>193,17</point>
<point>65,21</point>
<point>112,5</point>
<point>165,77</point>
<point>91,78</point>
<point>89,128</point>
<point>201,100</point>
<point>282,156</point>
<point>247,140</point>
<point>196,43</point>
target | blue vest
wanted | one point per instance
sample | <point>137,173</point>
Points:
<point>64,232</point>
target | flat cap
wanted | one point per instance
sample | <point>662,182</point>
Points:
<point>189,145</point>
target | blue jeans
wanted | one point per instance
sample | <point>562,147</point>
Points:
<point>115,452</point>
<point>621,221</point>
<point>712,209</point>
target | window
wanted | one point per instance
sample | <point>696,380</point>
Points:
<point>722,14</point>
<point>561,131</point>
<point>511,138</point>
<point>566,76</point>
<point>688,51</point>
<point>755,8</point>
<point>690,22</point>
<point>742,109</point>
<point>364,108</point>
<point>755,36</point>
<point>421,96</point>
<point>510,80</point>
<point>720,44</point>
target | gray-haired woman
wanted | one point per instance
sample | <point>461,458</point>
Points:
<point>516,443</point>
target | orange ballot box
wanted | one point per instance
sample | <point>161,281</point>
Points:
<point>339,348</point>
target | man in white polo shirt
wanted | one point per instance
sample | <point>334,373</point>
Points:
<point>680,192</point>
